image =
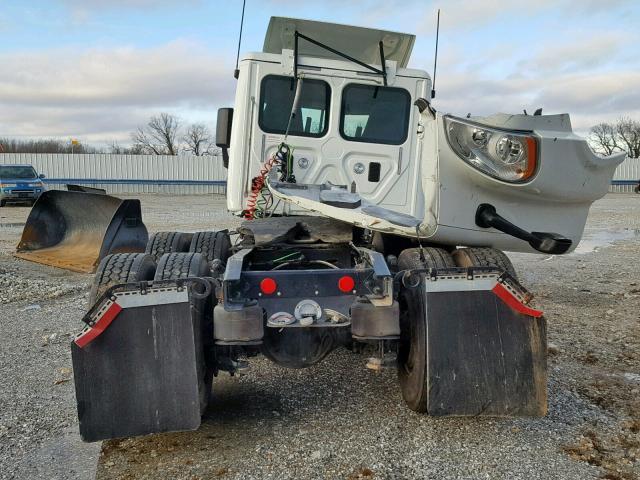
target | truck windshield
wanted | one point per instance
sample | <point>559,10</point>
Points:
<point>18,172</point>
<point>276,100</point>
<point>375,114</point>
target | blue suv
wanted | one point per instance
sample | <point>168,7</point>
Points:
<point>19,184</point>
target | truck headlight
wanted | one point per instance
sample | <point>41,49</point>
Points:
<point>510,156</point>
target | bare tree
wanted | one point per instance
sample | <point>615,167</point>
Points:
<point>628,133</point>
<point>143,141</point>
<point>198,140</point>
<point>622,136</point>
<point>603,138</point>
<point>159,135</point>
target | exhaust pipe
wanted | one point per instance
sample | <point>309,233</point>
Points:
<point>545,242</point>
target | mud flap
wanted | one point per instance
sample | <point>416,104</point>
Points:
<point>138,365</point>
<point>75,230</point>
<point>486,349</point>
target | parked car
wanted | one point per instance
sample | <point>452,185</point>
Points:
<point>20,184</point>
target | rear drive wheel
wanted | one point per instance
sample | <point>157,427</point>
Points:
<point>168,242</point>
<point>212,245</point>
<point>121,268</point>
<point>484,257</point>
<point>173,266</point>
<point>3,203</point>
<point>412,351</point>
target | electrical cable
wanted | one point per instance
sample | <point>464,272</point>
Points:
<point>260,198</point>
<point>257,184</point>
<point>318,262</point>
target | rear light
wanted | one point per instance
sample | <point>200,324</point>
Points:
<point>346,284</point>
<point>268,286</point>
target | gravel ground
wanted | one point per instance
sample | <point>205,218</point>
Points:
<point>338,419</point>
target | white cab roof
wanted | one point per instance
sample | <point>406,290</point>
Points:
<point>357,42</point>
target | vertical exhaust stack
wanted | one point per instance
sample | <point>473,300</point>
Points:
<point>75,230</point>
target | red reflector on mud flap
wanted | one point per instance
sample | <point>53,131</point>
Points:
<point>91,333</point>
<point>346,284</point>
<point>268,286</point>
<point>510,299</point>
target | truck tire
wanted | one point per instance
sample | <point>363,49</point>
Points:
<point>173,266</point>
<point>121,268</point>
<point>434,258</point>
<point>168,242</point>
<point>212,245</point>
<point>412,351</point>
<point>3,203</point>
<point>483,257</point>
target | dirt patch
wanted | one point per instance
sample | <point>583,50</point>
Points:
<point>617,451</point>
<point>361,473</point>
<point>616,454</point>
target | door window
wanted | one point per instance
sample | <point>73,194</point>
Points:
<point>276,100</point>
<point>375,114</point>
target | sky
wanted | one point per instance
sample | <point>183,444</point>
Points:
<point>97,69</point>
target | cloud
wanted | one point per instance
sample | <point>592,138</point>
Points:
<point>580,54</point>
<point>472,14</point>
<point>596,7</point>
<point>68,91</point>
<point>83,10</point>
<point>606,93</point>
<point>88,123</point>
<point>104,93</point>
<point>589,99</point>
<point>595,78</point>
<point>97,5</point>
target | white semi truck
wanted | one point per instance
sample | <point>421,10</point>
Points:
<point>374,223</point>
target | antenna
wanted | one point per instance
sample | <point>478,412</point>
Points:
<point>435,58</point>
<point>236,72</point>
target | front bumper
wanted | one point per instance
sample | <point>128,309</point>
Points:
<point>19,194</point>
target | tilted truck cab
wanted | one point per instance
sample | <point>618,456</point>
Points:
<point>362,131</point>
<point>346,122</point>
<point>373,223</point>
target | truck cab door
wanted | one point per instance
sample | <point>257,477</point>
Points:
<point>362,135</point>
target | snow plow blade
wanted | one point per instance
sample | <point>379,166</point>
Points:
<point>486,348</point>
<point>75,230</point>
<point>137,365</point>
